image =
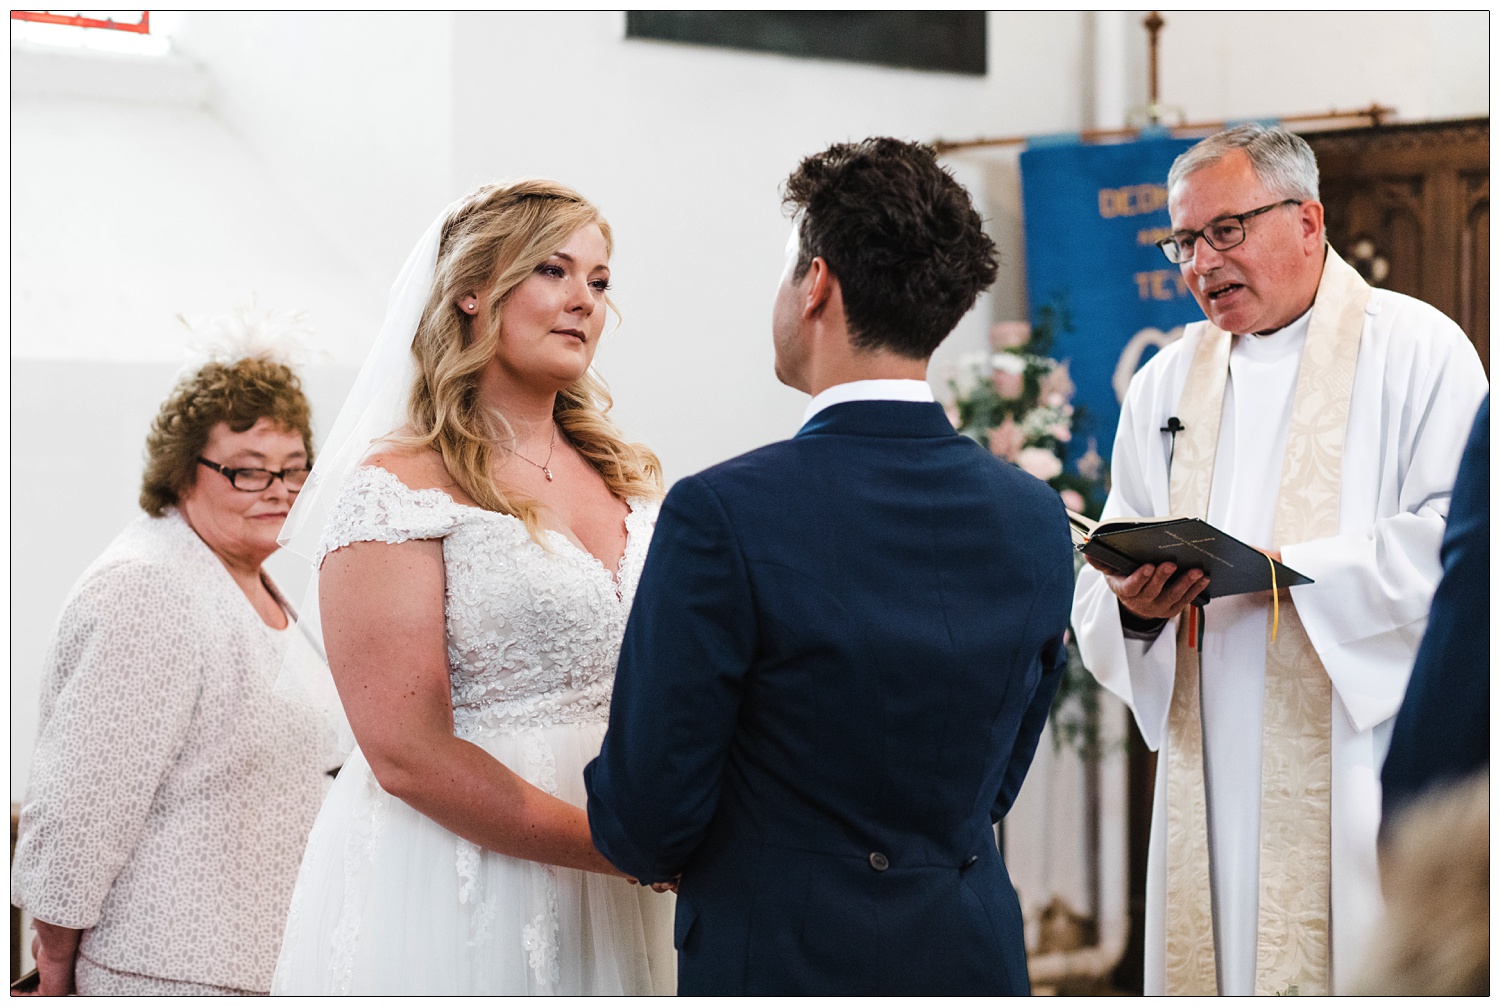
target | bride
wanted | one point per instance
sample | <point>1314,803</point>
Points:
<point>475,573</point>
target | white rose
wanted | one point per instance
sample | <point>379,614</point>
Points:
<point>1040,462</point>
<point>1008,362</point>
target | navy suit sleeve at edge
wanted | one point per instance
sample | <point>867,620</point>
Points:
<point>688,644</point>
<point>1058,589</point>
<point>1442,729</point>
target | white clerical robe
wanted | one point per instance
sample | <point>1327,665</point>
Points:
<point>1417,386</point>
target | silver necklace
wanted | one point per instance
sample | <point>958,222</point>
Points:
<point>546,465</point>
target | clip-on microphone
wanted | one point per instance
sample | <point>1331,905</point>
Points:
<point>1174,427</point>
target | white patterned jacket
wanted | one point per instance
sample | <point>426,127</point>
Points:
<point>171,793</point>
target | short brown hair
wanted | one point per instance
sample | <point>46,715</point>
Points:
<point>900,234</point>
<point>239,394</point>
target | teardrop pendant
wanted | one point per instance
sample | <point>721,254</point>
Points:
<point>545,466</point>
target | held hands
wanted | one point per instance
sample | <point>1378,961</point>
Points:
<point>655,886</point>
<point>1155,592</point>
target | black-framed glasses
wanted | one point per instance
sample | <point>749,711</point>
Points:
<point>256,480</point>
<point>1221,233</point>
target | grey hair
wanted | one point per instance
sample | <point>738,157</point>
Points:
<point>1282,160</point>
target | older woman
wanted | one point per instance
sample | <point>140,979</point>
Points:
<point>171,793</point>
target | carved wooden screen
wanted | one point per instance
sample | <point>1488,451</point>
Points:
<point>1409,206</point>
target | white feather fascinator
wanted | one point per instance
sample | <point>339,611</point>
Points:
<point>248,332</point>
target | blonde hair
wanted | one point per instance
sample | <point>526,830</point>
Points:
<point>1433,938</point>
<point>494,240</point>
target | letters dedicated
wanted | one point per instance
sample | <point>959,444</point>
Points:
<point>1322,421</point>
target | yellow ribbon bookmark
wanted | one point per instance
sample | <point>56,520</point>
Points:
<point>1275,602</point>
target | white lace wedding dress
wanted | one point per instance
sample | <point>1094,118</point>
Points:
<point>389,902</point>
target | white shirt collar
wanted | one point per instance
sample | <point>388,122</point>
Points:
<point>882,389</point>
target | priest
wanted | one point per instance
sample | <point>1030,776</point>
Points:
<point>1321,421</point>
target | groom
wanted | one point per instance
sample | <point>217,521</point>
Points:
<point>844,645</point>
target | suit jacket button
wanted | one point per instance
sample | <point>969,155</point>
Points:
<point>879,861</point>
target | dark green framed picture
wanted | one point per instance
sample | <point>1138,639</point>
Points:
<point>938,41</point>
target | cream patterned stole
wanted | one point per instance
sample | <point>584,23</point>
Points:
<point>1292,950</point>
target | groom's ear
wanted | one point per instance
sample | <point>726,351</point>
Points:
<point>820,287</point>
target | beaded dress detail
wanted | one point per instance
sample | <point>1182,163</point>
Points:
<point>387,900</point>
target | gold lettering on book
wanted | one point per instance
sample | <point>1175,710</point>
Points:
<point>1195,545</point>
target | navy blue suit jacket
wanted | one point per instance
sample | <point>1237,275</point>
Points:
<point>841,654</point>
<point>1443,729</point>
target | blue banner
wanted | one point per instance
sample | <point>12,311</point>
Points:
<point>1094,275</point>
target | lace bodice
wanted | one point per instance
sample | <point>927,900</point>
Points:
<point>533,630</point>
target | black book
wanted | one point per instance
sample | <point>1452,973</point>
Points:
<point>1124,544</point>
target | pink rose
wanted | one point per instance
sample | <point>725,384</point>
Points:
<point>1008,385</point>
<point>1061,432</point>
<point>953,417</point>
<point>1092,462</point>
<point>1007,439</point>
<point>1073,500</point>
<point>1056,386</point>
<point>1009,335</point>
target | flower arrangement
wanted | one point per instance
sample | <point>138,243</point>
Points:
<point>1016,400</point>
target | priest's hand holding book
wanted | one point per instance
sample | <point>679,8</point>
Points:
<point>1153,593</point>
<point>1156,567</point>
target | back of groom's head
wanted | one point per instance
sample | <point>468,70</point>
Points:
<point>901,236</point>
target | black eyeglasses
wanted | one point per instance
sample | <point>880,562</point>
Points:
<point>255,480</point>
<point>1221,234</point>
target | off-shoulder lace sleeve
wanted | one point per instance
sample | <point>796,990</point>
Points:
<point>375,506</point>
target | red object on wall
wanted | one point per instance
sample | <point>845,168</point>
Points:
<point>143,27</point>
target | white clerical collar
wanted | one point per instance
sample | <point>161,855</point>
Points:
<point>1277,344</point>
<point>882,389</point>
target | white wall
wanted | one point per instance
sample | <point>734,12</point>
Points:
<point>299,155</point>
<point>1254,64</point>
<point>351,115</point>
<point>125,213</point>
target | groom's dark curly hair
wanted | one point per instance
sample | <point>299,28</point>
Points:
<point>899,233</point>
